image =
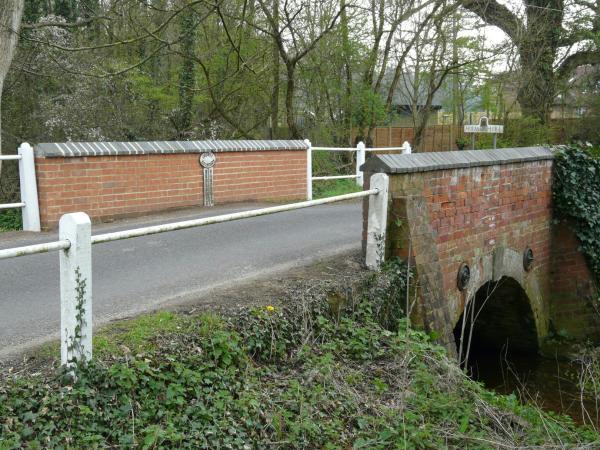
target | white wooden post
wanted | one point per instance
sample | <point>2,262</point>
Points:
<point>360,160</point>
<point>377,221</point>
<point>406,149</point>
<point>29,193</point>
<point>308,170</point>
<point>76,289</point>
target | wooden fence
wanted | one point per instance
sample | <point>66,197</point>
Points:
<point>437,138</point>
<point>440,138</point>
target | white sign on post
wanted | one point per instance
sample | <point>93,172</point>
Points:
<point>484,127</point>
<point>495,129</point>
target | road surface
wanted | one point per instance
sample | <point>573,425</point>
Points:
<point>141,274</point>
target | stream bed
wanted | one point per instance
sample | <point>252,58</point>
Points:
<point>550,383</point>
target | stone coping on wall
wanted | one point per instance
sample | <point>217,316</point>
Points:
<point>81,149</point>
<point>424,162</point>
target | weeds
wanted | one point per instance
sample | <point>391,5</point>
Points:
<point>10,220</point>
<point>587,377</point>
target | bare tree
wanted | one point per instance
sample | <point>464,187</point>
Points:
<point>296,32</point>
<point>427,64</point>
<point>391,44</point>
<point>11,13</point>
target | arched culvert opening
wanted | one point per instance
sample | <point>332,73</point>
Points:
<point>496,331</point>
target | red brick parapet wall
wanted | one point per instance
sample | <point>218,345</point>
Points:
<point>484,208</point>
<point>108,180</point>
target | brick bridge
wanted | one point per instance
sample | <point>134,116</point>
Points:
<point>485,210</point>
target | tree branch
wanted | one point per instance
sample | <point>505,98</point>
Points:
<point>313,44</point>
<point>79,23</point>
<point>498,15</point>
<point>575,60</point>
<point>145,35</point>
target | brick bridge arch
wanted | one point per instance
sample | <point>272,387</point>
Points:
<point>484,209</point>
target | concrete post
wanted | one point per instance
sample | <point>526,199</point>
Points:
<point>76,289</point>
<point>360,160</point>
<point>377,221</point>
<point>308,170</point>
<point>29,193</point>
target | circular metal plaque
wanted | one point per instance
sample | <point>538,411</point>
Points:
<point>463,277</point>
<point>208,160</point>
<point>528,259</point>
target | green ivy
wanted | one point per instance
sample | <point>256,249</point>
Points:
<point>576,197</point>
<point>10,219</point>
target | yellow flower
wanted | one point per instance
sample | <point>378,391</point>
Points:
<point>270,308</point>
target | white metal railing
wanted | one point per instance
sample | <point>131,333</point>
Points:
<point>29,195</point>
<point>360,150</point>
<point>76,240</point>
<point>11,205</point>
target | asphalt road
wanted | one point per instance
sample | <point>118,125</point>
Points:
<point>144,273</point>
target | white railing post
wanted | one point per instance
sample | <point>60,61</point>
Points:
<point>308,170</point>
<point>377,221</point>
<point>29,193</point>
<point>76,289</point>
<point>406,149</point>
<point>360,160</point>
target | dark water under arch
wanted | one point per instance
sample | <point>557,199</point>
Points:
<point>504,353</point>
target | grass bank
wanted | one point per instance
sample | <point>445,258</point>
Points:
<point>327,369</point>
<point>329,188</point>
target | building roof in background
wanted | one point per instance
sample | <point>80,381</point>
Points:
<point>404,94</point>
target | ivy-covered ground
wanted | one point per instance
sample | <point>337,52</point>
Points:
<point>323,369</point>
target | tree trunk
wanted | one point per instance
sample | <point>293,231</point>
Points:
<point>187,75</point>
<point>10,21</point>
<point>289,101</point>
<point>275,93</point>
<point>421,125</point>
<point>347,103</point>
<point>537,89</point>
<point>455,83</point>
<point>537,51</point>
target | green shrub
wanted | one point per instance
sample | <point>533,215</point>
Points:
<point>11,219</point>
<point>332,163</point>
<point>463,143</point>
<point>525,132</point>
<point>519,132</point>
